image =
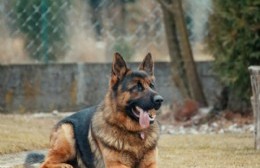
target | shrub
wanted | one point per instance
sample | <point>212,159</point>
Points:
<point>234,41</point>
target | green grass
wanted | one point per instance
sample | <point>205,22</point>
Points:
<point>21,133</point>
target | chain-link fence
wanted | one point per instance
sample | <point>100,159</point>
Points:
<point>80,30</point>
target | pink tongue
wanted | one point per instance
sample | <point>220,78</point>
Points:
<point>144,120</point>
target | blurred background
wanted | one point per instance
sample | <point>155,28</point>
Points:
<point>51,51</point>
<point>50,32</point>
<point>68,31</point>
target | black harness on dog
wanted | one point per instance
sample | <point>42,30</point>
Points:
<point>81,123</point>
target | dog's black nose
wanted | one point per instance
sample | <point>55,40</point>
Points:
<point>157,99</point>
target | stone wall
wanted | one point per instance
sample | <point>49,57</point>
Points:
<point>70,87</point>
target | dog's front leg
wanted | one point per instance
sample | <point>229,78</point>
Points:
<point>114,163</point>
<point>114,159</point>
<point>111,164</point>
<point>150,159</point>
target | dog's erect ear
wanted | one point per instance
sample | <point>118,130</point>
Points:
<point>119,67</point>
<point>147,64</point>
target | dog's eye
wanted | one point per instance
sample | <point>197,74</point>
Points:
<point>140,87</point>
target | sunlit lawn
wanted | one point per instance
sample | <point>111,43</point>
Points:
<point>205,151</point>
<point>21,133</point>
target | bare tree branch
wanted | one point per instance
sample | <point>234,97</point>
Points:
<point>168,7</point>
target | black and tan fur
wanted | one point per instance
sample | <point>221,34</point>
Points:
<point>109,135</point>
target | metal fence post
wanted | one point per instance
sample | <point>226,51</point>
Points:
<point>255,100</point>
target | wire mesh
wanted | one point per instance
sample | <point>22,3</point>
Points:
<point>79,31</point>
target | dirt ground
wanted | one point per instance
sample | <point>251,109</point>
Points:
<point>23,133</point>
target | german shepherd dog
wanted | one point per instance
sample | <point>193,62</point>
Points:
<point>120,132</point>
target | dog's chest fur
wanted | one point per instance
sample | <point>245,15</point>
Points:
<point>113,136</point>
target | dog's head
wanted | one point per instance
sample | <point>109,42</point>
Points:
<point>134,90</point>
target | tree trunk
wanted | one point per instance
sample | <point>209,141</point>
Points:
<point>174,52</point>
<point>189,64</point>
<point>180,50</point>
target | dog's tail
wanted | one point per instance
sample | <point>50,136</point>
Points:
<point>33,158</point>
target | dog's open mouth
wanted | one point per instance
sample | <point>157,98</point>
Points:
<point>145,117</point>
